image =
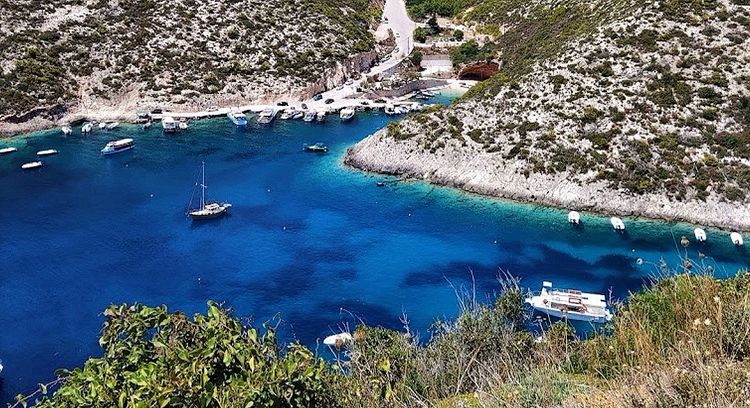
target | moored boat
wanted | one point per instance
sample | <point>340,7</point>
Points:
<point>346,114</point>
<point>102,125</point>
<point>266,116</point>
<point>320,116</point>
<point>700,234</point>
<point>6,150</point>
<point>338,340</point>
<point>66,130</point>
<point>168,124</point>
<point>32,165</point>
<point>48,152</point>
<point>238,118</point>
<point>736,238</point>
<point>309,116</point>
<point>206,210</point>
<point>316,148</point>
<point>298,115</point>
<point>118,146</point>
<point>287,114</point>
<point>87,127</point>
<point>570,304</point>
<point>574,217</point>
<point>183,125</point>
<point>617,224</point>
<point>113,125</point>
<point>148,124</point>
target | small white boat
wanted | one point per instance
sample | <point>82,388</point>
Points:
<point>298,115</point>
<point>617,224</point>
<point>48,152</point>
<point>147,125</point>
<point>320,116</point>
<point>700,234</point>
<point>6,150</point>
<point>571,304</point>
<point>389,110</point>
<point>574,217</point>
<point>183,125</point>
<point>238,118</point>
<point>168,124</point>
<point>66,130</point>
<point>118,146</point>
<point>338,340</point>
<point>102,125</point>
<point>32,165</point>
<point>87,127</point>
<point>736,238</point>
<point>113,125</point>
<point>346,114</point>
<point>287,114</point>
<point>309,116</point>
<point>266,116</point>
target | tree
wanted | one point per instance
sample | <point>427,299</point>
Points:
<point>420,34</point>
<point>466,52</point>
<point>458,35</point>
<point>153,358</point>
<point>432,23</point>
<point>416,59</point>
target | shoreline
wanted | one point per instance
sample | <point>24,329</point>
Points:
<point>477,174</point>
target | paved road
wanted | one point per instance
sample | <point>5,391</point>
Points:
<point>403,28</point>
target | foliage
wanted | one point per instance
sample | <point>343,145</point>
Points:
<point>153,358</point>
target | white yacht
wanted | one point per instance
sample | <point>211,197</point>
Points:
<point>118,146</point>
<point>266,116</point>
<point>48,152</point>
<point>389,110</point>
<point>700,234</point>
<point>309,116</point>
<point>87,127</point>
<point>102,125</point>
<point>574,217</point>
<point>113,125</point>
<point>736,238</point>
<point>168,124</point>
<point>320,116</point>
<point>32,165</point>
<point>617,224</point>
<point>6,150</point>
<point>571,304</point>
<point>298,115</point>
<point>238,118</point>
<point>346,114</point>
<point>66,130</point>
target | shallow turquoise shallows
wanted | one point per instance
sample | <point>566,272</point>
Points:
<point>307,238</point>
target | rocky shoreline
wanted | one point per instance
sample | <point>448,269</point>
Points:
<point>475,171</point>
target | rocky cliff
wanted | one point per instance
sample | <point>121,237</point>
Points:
<point>646,111</point>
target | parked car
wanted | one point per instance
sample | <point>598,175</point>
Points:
<point>365,103</point>
<point>212,108</point>
<point>329,101</point>
<point>317,97</point>
<point>283,103</point>
<point>304,106</point>
<point>156,111</point>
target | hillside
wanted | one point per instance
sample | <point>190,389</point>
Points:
<point>613,106</point>
<point>71,55</point>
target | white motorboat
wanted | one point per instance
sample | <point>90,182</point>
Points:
<point>320,116</point>
<point>287,114</point>
<point>298,115</point>
<point>700,234</point>
<point>266,116</point>
<point>309,116</point>
<point>183,125</point>
<point>147,125</point>
<point>617,224</point>
<point>206,210</point>
<point>390,110</point>
<point>168,124</point>
<point>338,340</point>
<point>346,114</point>
<point>48,152</point>
<point>66,130</point>
<point>574,217</point>
<point>238,118</point>
<point>316,148</point>
<point>113,125</point>
<point>571,304</point>
<point>87,127</point>
<point>118,146</point>
<point>6,150</point>
<point>102,125</point>
<point>32,165</point>
<point>736,238</point>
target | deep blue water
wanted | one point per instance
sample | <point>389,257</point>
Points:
<point>307,238</point>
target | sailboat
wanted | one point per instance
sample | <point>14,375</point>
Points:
<point>207,210</point>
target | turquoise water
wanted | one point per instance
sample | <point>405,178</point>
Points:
<point>307,238</point>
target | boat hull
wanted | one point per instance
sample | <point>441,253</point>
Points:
<point>570,315</point>
<point>201,215</point>
<point>111,152</point>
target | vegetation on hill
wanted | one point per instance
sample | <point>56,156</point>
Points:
<point>683,341</point>
<point>61,51</point>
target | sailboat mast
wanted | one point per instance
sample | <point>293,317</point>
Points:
<point>203,186</point>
